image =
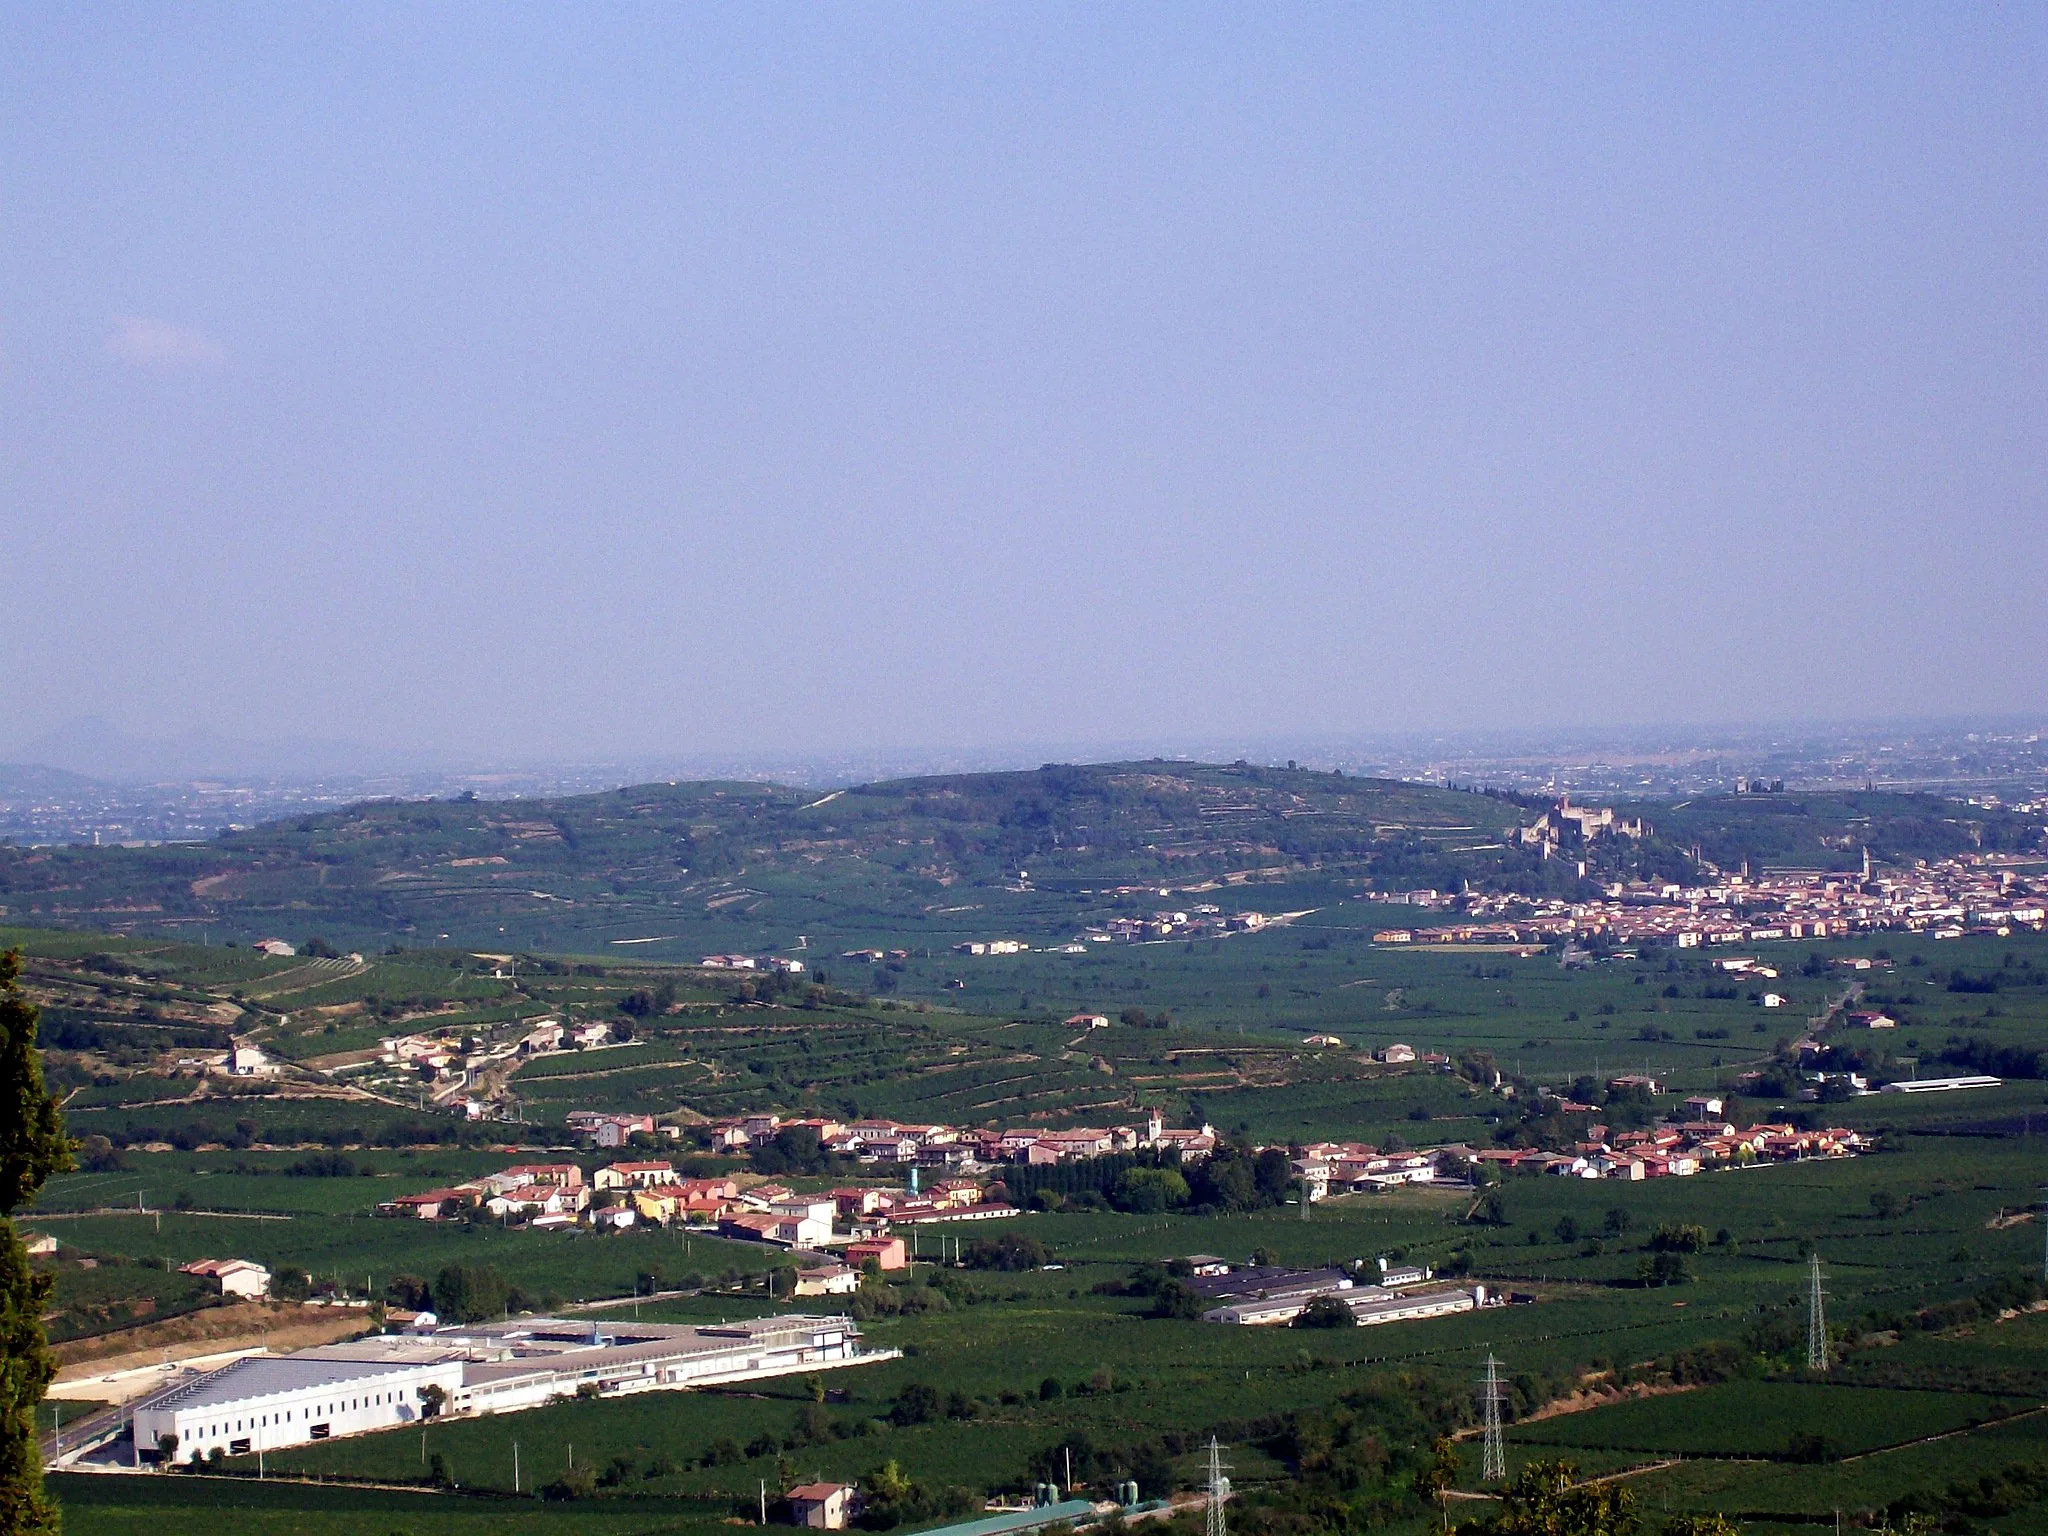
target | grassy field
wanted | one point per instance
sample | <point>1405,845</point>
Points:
<point>1908,1237</point>
<point>1756,1418</point>
<point>107,1506</point>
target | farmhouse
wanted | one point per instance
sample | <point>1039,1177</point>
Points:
<point>249,1061</point>
<point>434,1205</point>
<point>235,1277</point>
<point>823,1506</point>
<point>827,1280</point>
<point>786,1229</point>
<point>887,1252</point>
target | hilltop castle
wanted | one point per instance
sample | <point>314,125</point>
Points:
<point>1566,825</point>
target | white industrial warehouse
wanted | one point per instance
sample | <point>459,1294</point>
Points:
<point>1366,1303</point>
<point>262,1403</point>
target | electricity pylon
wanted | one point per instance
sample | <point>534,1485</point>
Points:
<point>1493,1458</point>
<point>1816,1322</point>
<point>1219,1490</point>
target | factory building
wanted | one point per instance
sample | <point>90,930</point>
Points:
<point>1367,1304</point>
<point>374,1383</point>
<point>261,1404</point>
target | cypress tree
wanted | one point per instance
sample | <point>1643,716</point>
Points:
<point>32,1147</point>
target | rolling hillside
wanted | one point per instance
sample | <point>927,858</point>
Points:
<point>687,869</point>
<point>733,865</point>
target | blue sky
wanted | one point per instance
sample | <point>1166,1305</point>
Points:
<point>571,380</point>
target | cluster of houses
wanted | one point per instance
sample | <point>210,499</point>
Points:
<point>890,1142</point>
<point>1203,920</point>
<point>1977,893</point>
<point>781,964</point>
<point>1700,1143</point>
<point>443,1053</point>
<point>448,1064</point>
<point>652,1193</point>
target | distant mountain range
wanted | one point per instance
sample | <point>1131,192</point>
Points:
<point>97,749</point>
<point>39,779</point>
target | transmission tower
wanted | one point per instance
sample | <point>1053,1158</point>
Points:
<point>1493,1460</point>
<point>1219,1490</point>
<point>1816,1322</point>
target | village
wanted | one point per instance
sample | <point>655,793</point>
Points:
<point>1982,894</point>
<point>946,1175</point>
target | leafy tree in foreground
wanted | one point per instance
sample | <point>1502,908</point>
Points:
<point>1709,1524</point>
<point>32,1147</point>
<point>1545,1500</point>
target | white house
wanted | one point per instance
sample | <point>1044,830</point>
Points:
<point>633,1175</point>
<point>827,1280</point>
<point>235,1277</point>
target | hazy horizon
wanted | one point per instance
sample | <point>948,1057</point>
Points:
<point>532,386</point>
<point>97,749</point>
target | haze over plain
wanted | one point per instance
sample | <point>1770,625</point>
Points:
<point>538,383</point>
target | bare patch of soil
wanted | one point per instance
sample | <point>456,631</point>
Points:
<point>242,1326</point>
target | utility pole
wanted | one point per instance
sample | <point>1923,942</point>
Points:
<point>1493,1459</point>
<point>515,1465</point>
<point>764,1501</point>
<point>1816,1322</point>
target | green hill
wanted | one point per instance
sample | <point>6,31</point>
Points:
<point>737,865</point>
<point>687,869</point>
